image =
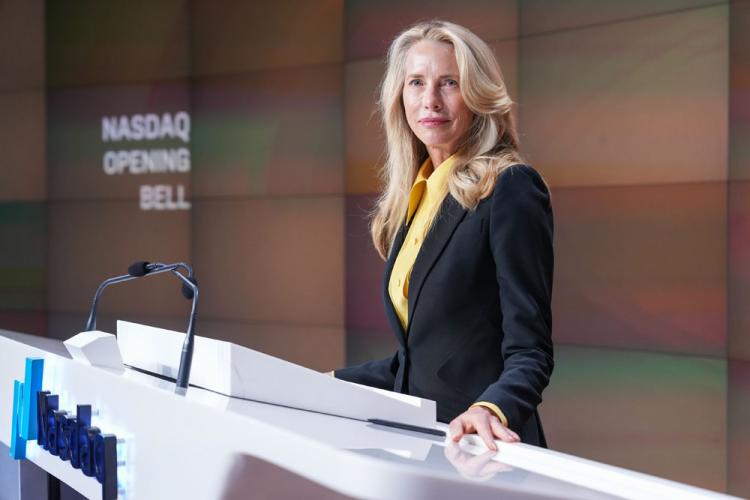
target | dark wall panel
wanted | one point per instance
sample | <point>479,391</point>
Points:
<point>276,132</point>
<point>271,260</point>
<point>370,26</point>
<point>235,36</point>
<point>642,267</point>
<point>661,414</point>
<point>538,16</point>
<point>22,60</point>
<point>23,134</point>
<point>637,102</point>
<point>90,42</point>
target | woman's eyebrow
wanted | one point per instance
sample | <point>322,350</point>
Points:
<point>419,75</point>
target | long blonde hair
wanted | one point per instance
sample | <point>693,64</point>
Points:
<point>491,145</point>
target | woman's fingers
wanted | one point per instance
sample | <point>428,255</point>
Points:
<point>457,428</point>
<point>473,421</point>
<point>484,429</point>
<point>502,432</point>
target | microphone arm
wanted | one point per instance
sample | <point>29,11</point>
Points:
<point>91,321</point>
<point>148,269</point>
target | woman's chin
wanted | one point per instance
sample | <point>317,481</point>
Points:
<point>442,141</point>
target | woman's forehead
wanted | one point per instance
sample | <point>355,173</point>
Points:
<point>429,57</point>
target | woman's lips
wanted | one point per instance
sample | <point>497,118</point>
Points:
<point>433,122</point>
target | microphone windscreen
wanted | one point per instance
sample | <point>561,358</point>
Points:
<point>138,269</point>
<point>187,292</point>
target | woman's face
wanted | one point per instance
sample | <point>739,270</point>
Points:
<point>434,107</point>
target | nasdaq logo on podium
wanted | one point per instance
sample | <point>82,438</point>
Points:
<point>71,437</point>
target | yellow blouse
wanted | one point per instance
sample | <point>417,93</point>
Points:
<point>425,197</point>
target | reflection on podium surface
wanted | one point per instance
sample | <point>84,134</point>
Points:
<point>252,476</point>
<point>484,467</point>
<point>474,467</point>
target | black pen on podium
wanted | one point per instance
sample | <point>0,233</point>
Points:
<point>406,427</point>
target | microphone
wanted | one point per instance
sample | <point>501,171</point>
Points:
<point>141,268</point>
<point>189,291</point>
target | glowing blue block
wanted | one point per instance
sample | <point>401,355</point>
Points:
<point>17,443</point>
<point>31,385</point>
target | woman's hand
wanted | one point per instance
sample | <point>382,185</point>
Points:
<point>482,421</point>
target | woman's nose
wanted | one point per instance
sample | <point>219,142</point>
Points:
<point>432,100</point>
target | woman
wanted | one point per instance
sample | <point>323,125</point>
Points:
<point>466,232</point>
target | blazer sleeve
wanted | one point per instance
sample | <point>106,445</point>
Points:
<point>520,233</point>
<point>380,373</point>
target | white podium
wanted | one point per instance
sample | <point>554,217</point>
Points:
<point>220,441</point>
<point>239,372</point>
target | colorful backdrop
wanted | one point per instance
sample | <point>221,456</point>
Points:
<point>256,122</point>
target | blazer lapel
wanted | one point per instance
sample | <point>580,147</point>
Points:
<point>447,219</point>
<point>390,312</point>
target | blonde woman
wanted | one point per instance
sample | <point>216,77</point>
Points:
<point>466,231</point>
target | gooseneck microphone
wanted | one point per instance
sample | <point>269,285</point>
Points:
<point>189,291</point>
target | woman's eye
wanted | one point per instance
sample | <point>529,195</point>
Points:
<point>451,83</point>
<point>415,82</point>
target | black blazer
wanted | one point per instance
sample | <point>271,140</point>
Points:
<point>479,308</point>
